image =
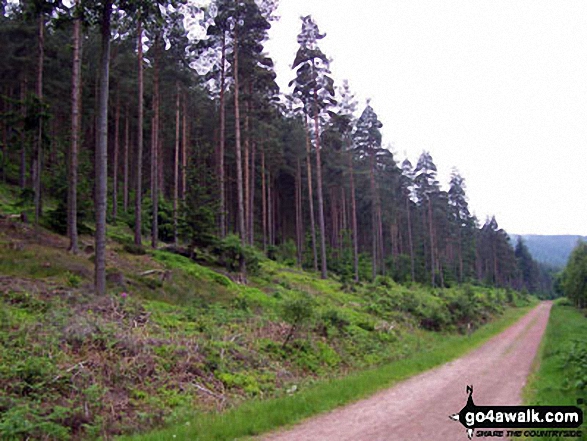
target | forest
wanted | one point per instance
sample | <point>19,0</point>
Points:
<point>180,238</point>
<point>165,116</point>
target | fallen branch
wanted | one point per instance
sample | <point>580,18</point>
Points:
<point>165,274</point>
<point>153,271</point>
<point>68,370</point>
<point>209,392</point>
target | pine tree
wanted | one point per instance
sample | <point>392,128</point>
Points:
<point>464,225</point>
<point>315,89</point>
<point>427,191</point>
<point>407,188</point>
<point>574,277</point>
<point>140,121</point>
<point>76,90</point>
<point>346,122</point>
<point>529,272</point>
<point>367,141</point>
<point>102,152</point>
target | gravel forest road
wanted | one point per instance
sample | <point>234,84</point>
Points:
<point>419,408</point>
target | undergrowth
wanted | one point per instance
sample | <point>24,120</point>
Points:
<point>561,375</point>
<point>174,335</point>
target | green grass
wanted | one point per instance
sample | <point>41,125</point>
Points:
<point>257,416</point>
<point>559,379</point>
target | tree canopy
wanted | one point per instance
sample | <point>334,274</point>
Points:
<point>197,118</point>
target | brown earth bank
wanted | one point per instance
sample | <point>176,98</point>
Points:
<point>419,408</point>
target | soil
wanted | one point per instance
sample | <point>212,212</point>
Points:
<point>419,408</point>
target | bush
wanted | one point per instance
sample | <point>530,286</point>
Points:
<point>58,187</point>
<point>230,251</point>
<point>297,311</point>
<point>576,362</point>
<point>286,253</point>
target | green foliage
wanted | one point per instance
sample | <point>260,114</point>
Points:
<point>25,421</point>
<point>164,217</point>
<point>298,309</point>
<point>574,277</point>
<point>15,200</point>
<point>132,248</point>
<point>561,375</point>
<point>201,334</point>
<point>56,218</point>
<point>285,253</point>
<point>199,210</point>
<point>576,365</point>
<point>248,382</point>
<point>333,322</point>
<point>230,251</point>
<point>260,416</point>
<point>440,310</point>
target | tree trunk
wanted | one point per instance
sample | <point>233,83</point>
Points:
<point>354,221</point>
<point>440,266</point>
<point>115,164</point>
<point>155,163</point>
<point>410,241</point>
<point>264,201</point>
<point>184,160</point>
<point>323,268</point>
<point>221,177</point>
<point>430,228</point>
<point>239,164</point>
<point>252,198</point>
<point>374,212</point>
<point>311,198</point>
<point>6,108</point>
<point>126,143</point>
<point>269,209</point>
<point>139,166</point>
<point>333,222</point>
<point>495,272</point>
<point>75,134</point>
<point>102,154</point>
<point>299,230</point>
<point>343,216</point>
<point>39,152</point>
<point>247,184</point>
<point>176,166</point>
<point>276,217</point>
<point>23,87</point>
<point>380,235</point>
<point>460,253</point>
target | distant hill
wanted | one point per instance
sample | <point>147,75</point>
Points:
<point>553,250</point>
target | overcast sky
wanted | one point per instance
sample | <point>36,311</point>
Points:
<point>497,89</point>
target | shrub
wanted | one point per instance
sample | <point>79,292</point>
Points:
<point>576,361</point>
<point>230,251</point>
<point>297,311</point>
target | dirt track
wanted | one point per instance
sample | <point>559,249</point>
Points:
<point>418,408</point>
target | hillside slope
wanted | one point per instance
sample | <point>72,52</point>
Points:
<point>552,250</point>
<point>173,335</point>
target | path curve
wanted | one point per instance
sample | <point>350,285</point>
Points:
<point>418,408</point>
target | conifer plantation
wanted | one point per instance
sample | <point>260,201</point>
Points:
<point>193,127</point>
<point>212,230</point>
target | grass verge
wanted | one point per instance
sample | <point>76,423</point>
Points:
<point>560,375</point>
<point>256,416</point>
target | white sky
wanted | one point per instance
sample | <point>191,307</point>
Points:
<point>496,88</point>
